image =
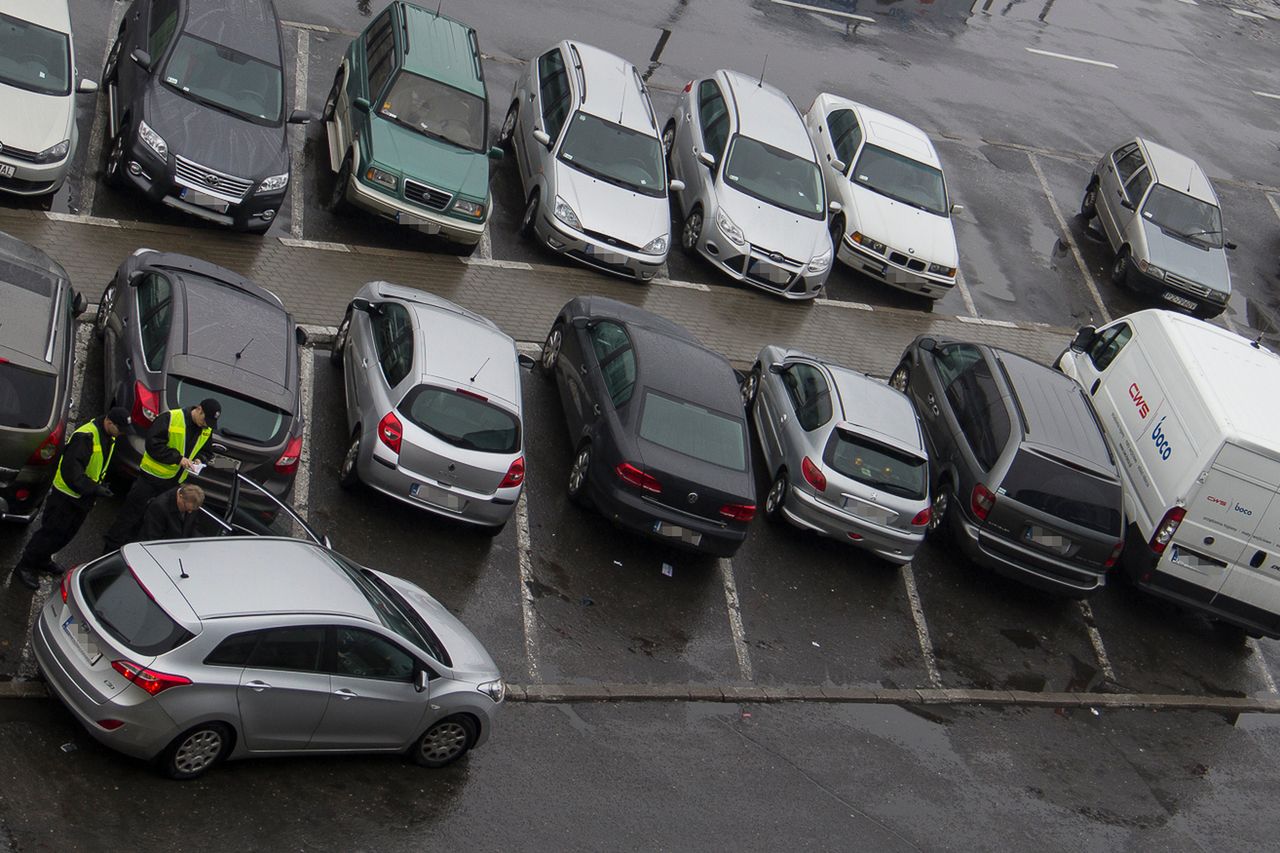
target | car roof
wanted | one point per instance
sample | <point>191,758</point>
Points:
<point>686,369</point>
<point>242,576</point>
<point>875,408</point>
<point>52,14</point>
<point>766,113</point>
<point>889,131</point>
<point>235,329</point>
<point>603,306</point>
<point>441,48</point>
<point>29,289</point>
<point>613,89</point>
<point>1178,171</point>
<point>456,345</point>
<point>249,26</point>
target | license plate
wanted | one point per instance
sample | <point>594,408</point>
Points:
<point>204,200</point>
<point>768,272</point>
<point>866,511</point>
<point>1047,539</point>
<point>428,493</point>
<point>7,170</point>
<point>605,255</point>
<point>1180,301</point>
<point>84,639</point>
<point>673,531</point>
<point>426,226</point>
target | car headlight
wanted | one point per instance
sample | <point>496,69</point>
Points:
<point>469,208</point>
<point>1151,269</point>
<point>380,177</point>
<point>566,214</point>
<point>153,140</point>
<point>729,229</point>
<point>275,183</point>
<point>863,240</point>
<point>820,263</point>
<point>495,690</point>
<point>939,269</point>
<point>54,153</point>
<point>656,246</point>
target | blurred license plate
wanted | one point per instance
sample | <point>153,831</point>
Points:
<point>867,511</point>
<point>768,272</point>
<point>1180,301</point>
<point>426,226</point>
<point>84,639</point>
<point>437,496</point>
<point>605,255</point>
<point>1047,539</point>
<point>203,200</point>
<point>672,531</point>
<point>6,170</point>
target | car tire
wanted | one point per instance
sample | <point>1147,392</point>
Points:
<point>529,221</point>
<point>691,231</point>
<point>444,742</point>
<point>776,497</point>
<point>507,133</point>
<point>338,198</point>
<point>114,167</point>
<point>837,236</point>
<point>551,351</point>
<point>668,139</point>
<point>105,304</point>
<point>943,502</point>
<point>348,472</point>
<point>1089,204</point>
<point>900,379</point>
<point>749,387</point>
<point>196,751</point>
<point>1120,268</point>
<point>339,350</point>
<point>580,475</point>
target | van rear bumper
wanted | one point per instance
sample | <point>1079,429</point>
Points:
<point>1249,617</point>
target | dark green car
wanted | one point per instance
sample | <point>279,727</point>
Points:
<point>407,122</point>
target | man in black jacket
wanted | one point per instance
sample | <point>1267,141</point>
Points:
<point>172,514</point>
<point>176,441</point>
<point>77,483</point>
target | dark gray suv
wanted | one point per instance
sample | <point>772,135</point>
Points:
<point>1022,476</point>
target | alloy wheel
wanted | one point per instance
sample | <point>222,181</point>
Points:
<point>750,384</point>
<point>198,752</point>
<point>773,500</point>
<point>105,305</point>
<point>901,378</point>
<point>551,349</point>
<point>443,742</point>
<point>578,471</point>
<point>691,232</point>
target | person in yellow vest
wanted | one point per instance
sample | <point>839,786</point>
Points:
<point>176,439</point>
<point>76,484</point>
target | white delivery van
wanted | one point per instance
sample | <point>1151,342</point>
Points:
<point>1193,412</point>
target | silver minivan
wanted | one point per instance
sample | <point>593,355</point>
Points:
<point>190,652</point>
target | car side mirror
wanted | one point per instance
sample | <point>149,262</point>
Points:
<point>778,368</point>
<point>420,679</point>
<point>541,136</point>
<point>328,545</point>
<point>1229,246</point>
<point>87,87</point>
<point>300,335</point>
<point>362,104</point>
<point>141,57</point>
<point>580,323</point>
<point>301,117</point>
<point>1084,338</point>
<point>957,208</point>
<point>135,277</point>
<point>78,304</point>
<point>839,165</point>
<point>364,305</point>
<point>928,344</point>
<point>676,186</point>
<point>496,153</point>
<point>525,361</point>
<point>835,207</point>
<point>707,159</point>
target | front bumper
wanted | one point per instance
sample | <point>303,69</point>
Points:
<point>1016,561</point>
<point>34,178</point>
<point>808,512</point>
<point>766,270</point>
<point>413,216</point>
<point>379,470</point>
<point>892,273</point>
<point>595,253</point>
<point>1178,293</point>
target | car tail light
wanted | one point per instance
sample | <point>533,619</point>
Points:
<point>856,537</point>
<point>146,404</point>
<point>738,512</point>
<point>632,475</point>
<point>148,679</point>
<point>982,501</point>
<point>515,474</point>
<point>21,494</point>
<point>390,431</point>
<point>48,449</point>
<point>922,517</point>
<point>1115,555</point>
<point>1168,526</point>
<point>110,725</point>
<point>813,474</point>
<point>688,87</point>
<point>288,461</point>
<point>66,584</point>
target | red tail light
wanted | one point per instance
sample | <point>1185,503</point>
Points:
<point>982,501</point>
<point>146,405</point>
<point>390,431</point>
<point>813,475</point>
<point>738,512</point>
<point>688,87</point>
<point>515,474</point>
<point>1115,555</point>
<point>288,461</point>
<point>148,679</point>
<point>632,475</point>
<point>66,584</point>
<point>922,517</point>
<point>111,725</point>
<point>48,449</point>
<point>1168,526</point>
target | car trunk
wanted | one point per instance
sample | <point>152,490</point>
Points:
<point>26,410</point>
<point>693,487</point>
<point>872,480</point>
<point>457,438</point>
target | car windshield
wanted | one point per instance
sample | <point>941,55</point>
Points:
<point>393,611</point>
<point>1064,491</point>
<point>787,180</point>
<point>26,396</point>
<point>435,109</point>
<point>241,417</point>
<point>34,58</point>
<point>693,430</point>
<point>463,419</point>
<point>878,465</point>
<point>1182,216</point>
<point>615,154</point>
<point>126,610</point>
<point>901,179</point>
<point>226,79</point>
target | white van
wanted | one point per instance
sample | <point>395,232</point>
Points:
<point>1194,415</point>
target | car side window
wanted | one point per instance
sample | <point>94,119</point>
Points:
<point>607,336</point>
<point>952,359</point>
<point>288,648</point>
<point>1137,186</point>
<point>1107,345</point>
<point>163,22</point>
<point>363,654</point>
<point>393,341</point>
<point>1128,164</point>
<point>846,134</point>
<point>553,85</point>
<point>234,650</point>
<point>713,118</point>
<point>975,401</point>
<point>619,375</point>
<point>379,53</point>
<point>155,303</point>
<point>809,393</point>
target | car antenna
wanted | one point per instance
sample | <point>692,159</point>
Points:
<point>764,65</point>
<point>182,572</point>
<point>243,348</point>
<point>622,104</point>
<point>477,373</point>
<point>439,6</point>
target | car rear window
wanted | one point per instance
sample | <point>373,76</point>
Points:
<point>242,418</point>
<point>878,465</point>
<point>694,431</point>
<point>1062,490</point>
<point>462,418</point>
<point>126,610</point>
<point>26,396</point>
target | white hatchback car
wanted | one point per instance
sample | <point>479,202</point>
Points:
<point>895,224</point>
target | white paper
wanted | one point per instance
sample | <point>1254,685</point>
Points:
<point>196,467</point>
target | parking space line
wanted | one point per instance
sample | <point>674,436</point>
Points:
<point>92,155</point>
<point>306,393</point>
<point>1271,95</point>
<point>922,627</point>
<point>1246,14</point>
<point>1071,58</point>
<point>492,262</point>
<point>840,303</point>
<point>298,133</point>
<point>735,619</point>
<point>983,321</point>
<point>1070,240</point>
<point>317,28</point>
<point>686,285</point>
<point>294,243</point>
<point>823,11</point>
<point>1274,202</point>
<point>484,249</point>
<point>1095,640</point>
<point>525,551</point>
<point>965,294</point>
<point>1260,663</point>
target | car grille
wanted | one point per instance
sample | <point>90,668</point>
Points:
<point>19,153</point>
<point>913,264</point>
<point>23,186</point>
<point>1186,284</point>
<point>426,196</point>
<point>203,179</point>
<point>766,268</point>
<point>611,241</point>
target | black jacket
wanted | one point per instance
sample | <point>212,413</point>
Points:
<point>158,439</point>
<point>76,455</point>
<point>162,520</point>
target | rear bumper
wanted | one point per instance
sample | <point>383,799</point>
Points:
<point>1015,561</point>
<point>482,510</point>
<point>806,511</point>
<point>635,513</point>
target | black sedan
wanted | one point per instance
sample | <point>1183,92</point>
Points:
<point>656,420</point>
<point>176,330</point>
<point>196,108</point>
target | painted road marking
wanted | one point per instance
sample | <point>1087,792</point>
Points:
<point>922,627</point>
<point>1095,640</point>
<point>847,15</point>
<point>1071,58</point>
<point>484,249</point>
<point>1245,14</point>
<point>493,262</point>
<point>1259,661</point>
<point>686,285</point>
<point>317,28</point>
<point>1266,95</point>
<point>840,303</point>
<point>983,321</point>
<point>93,155</point>
<point>525,553</point>
<point>965,294</point>
<point>302,482</point>
<point>735,619</point>
<point>298,133</point>
<point>294,243</point>
<point>1274,202</point>
<point>1070,240</point>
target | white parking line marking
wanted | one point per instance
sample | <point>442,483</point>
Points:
<point>1189,2</point>
<point>1071,240</point>
<point>863,18</point>
<point>1071,58</point>
<point>298,134</point>
<point>306,390</point>
<point>484,249</point>
<point>1271,95</point>
<point>27,662</point>
<point>840,303</point>
<point>686,285</point>
<point>1260,663</point>
<point>735,619</point>
<point>314,244</point>
<point>965,294</point>
<point>525,552</point>
<point>84,338</point>
<point>922,627</point>
<point>1244,14</point>
<point>1274,202</point>
<point>983,321</point>
<point>491,262</point>
<point>1095,640</point>
<point>93,155</point>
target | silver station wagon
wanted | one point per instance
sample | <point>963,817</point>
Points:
<point>846,453</point>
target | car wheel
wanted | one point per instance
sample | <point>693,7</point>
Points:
<point>691,233</point>
<point>1089,204</point>
<point>551,351</point>
<point>348,475</point>
<point>837,235</point>
<point>749,386</point>
<point>508,130</point>
<point>338,199</point>
<point>901,378</point>
<point>579,474</point>
<point>331,102</point>
<point>194,752</point>
<point>1120,269</point>
<point>668,139</point>
<point>113,60</point>
<point>528,222</point>
<point>936,529</point>
<point>339,350</point>
<point>776,498</point>
<point>445,742</point>
<point>115,159</point>
<point>105,304</point>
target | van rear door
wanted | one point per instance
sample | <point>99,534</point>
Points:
<point>1253,579</point>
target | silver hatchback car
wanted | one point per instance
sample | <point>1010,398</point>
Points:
<point>433,405</point>
<point>194,651</point>
<point>846,453</point>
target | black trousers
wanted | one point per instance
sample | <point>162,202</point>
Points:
<point>125,528</point>
<point>59,523</point>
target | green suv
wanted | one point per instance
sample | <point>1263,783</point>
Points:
<point>407,122</point>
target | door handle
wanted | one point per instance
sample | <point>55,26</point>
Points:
<point>1258,559</point>
<point>930,399</point>
<point>582,368</point>
<point>257,686</point>
<point>364,363</point>
<point>1093,389</point>
<point>595,407</point>
<point>783,418</point>
<point>1120,193</point>
<point>345,694</point>
<point>531,96</point>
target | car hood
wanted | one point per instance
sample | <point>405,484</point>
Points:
<point>1205,266</point>
<point>214,138</point>
<point>34,122</point>
<point>443,166</point>
<point>467,656</point>
<point>607,208</point>
<point>919,233</point>
<point>768,227</point>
